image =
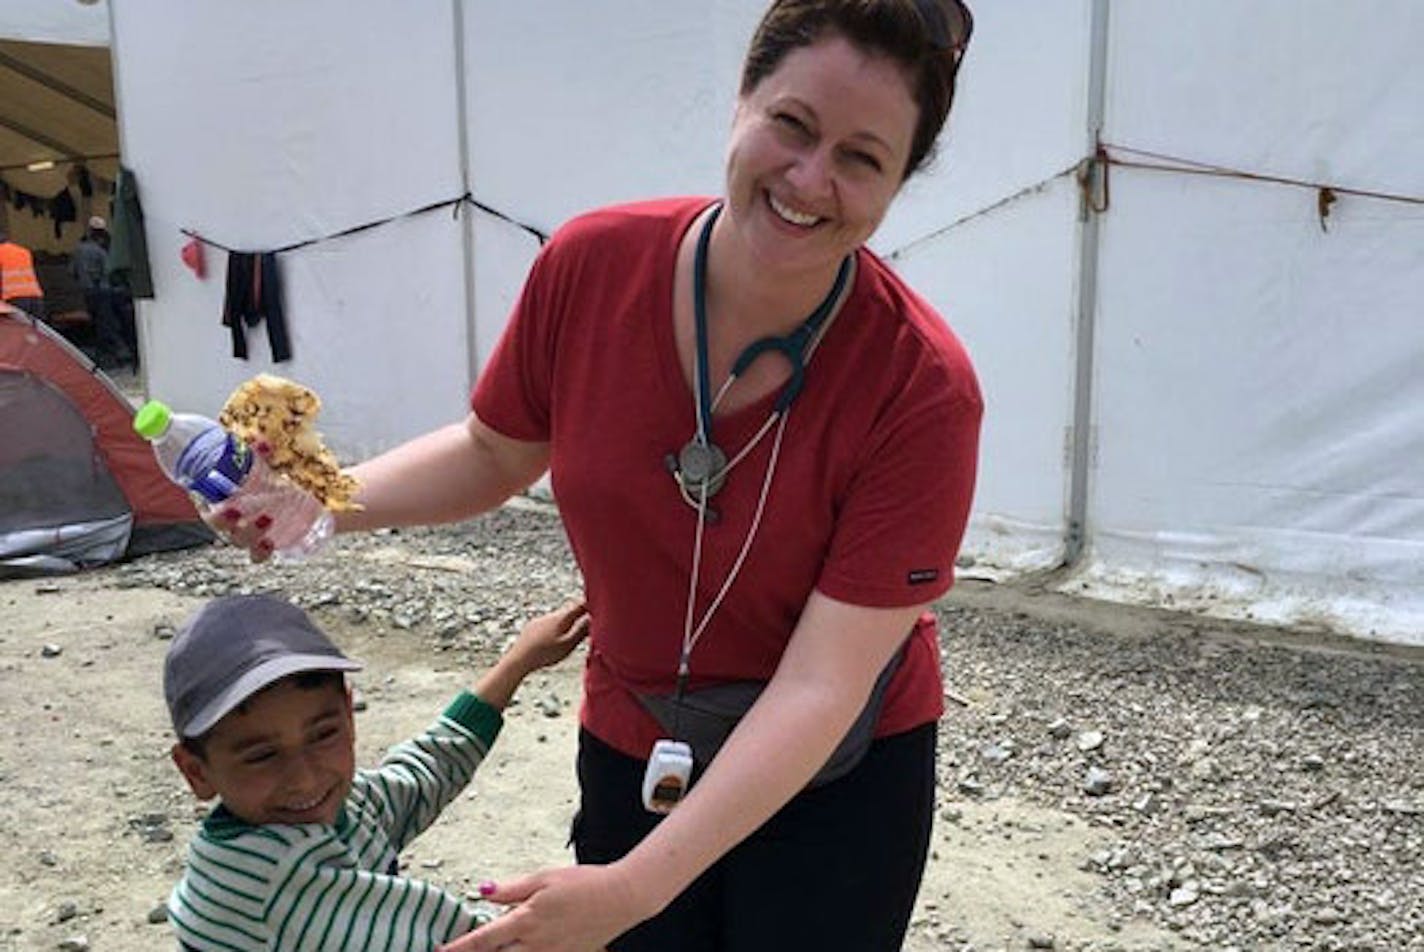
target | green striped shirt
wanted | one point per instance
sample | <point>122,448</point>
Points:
<point>314,887</point>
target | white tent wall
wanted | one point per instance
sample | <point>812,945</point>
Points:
<point>1005,283</point>
<point>604,103</point>
<point>55,21</point>
<point>1259,373</point>
<point>265,123</point>
<point>1252,376</point>
<point>989,234</point>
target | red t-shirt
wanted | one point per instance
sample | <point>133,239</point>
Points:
<point>867,504</point>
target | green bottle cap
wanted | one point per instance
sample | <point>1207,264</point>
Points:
<point>151,421</point>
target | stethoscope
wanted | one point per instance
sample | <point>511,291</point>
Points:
<point>701,467</point>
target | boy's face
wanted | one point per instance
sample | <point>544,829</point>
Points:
<point>287,755</point>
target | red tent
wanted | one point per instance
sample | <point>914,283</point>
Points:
<point>78,487</point>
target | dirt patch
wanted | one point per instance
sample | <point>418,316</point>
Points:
<point>93,817</point>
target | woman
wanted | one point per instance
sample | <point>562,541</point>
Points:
<point>774,519</point>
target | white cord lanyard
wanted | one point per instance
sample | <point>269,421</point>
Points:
<point>691,635</point>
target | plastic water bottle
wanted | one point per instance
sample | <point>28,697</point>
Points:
<point>217,468</point>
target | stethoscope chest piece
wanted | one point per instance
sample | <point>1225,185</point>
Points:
<point>699,463</point>
<point>700,467</point>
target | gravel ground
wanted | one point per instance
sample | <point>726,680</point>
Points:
<point>1258,789</point>
<point>1259,796</point>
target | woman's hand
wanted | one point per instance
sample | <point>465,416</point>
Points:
<point>827,672</point>
<point>575,909</point>
<point>448,474</point>
<point>245,530</point>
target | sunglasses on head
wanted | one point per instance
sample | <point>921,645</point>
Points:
<point>949,24</point>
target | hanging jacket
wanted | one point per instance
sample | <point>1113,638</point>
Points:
<point>128,248</point>
<point>17,273</point>
<point>62,210</point>
<point>254,293</point>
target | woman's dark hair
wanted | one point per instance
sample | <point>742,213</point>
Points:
<point>926,37</point>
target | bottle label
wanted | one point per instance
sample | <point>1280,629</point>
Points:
<point>226,474</point>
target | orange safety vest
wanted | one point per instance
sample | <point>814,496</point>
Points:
<point>17,273</point>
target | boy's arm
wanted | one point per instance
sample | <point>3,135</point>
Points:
<point>496,686</point>
<point>419,777</point>
<point>543,641</point>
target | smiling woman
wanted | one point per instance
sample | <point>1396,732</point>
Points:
<point>816,153</point>
<point>763,445</point>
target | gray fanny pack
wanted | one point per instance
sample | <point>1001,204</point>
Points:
<point>704,718</point>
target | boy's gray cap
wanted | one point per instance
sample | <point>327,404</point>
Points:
<point>234,647</point>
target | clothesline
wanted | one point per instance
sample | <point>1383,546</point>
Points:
<point>253,292</point>
<point>60,207</point>
<point>1109,154</point>
<point>993,206</point>
<point>1170,163</point>
<point>452,203</point>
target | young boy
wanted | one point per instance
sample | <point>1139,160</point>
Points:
<point>300,852</point>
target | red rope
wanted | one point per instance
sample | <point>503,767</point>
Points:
<point>1172,163</point>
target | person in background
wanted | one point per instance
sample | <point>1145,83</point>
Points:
<point>763,445</point>
<point>90,267</point>
<point>19,287</point>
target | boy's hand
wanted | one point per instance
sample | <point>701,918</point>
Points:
<point>542,641</point>
<point>549,638</point>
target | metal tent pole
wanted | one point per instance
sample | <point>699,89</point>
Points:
<point>1083,435</point>
<point>467,218</point>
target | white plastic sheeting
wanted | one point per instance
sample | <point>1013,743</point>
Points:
<point>989,233</point>
<point>265,123</point>
<point>602,103</point>
<point>1255,380</point>
<point>1259,387</point>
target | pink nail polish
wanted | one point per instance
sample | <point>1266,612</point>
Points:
<point>487,888</point>
<point>263,521</point>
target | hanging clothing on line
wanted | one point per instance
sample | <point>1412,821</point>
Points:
<point>62,210</point>
<point>254,293</point>
<point>128,247</point>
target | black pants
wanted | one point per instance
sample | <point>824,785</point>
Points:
<point>837,868</point>
<point>109,340</point>
<point>128,325</point>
